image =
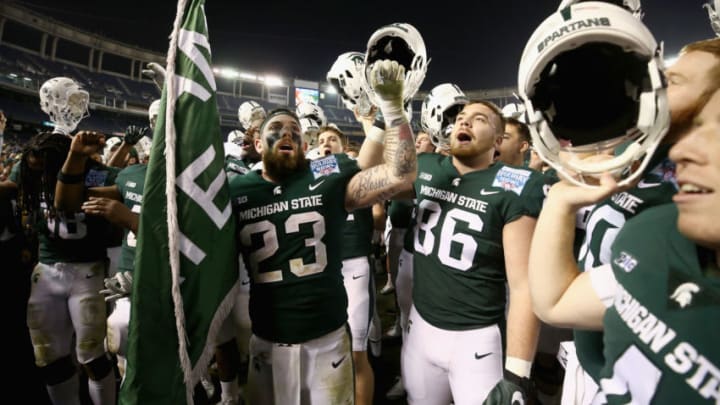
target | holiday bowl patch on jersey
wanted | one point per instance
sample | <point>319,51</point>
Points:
<point>511,179</point>
<point>95,178</point>
<point>324,167</point>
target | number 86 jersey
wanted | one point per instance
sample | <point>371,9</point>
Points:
<point>459,263</point>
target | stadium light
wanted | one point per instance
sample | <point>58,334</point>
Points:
<point>248,76</point>
<point>273,81</point>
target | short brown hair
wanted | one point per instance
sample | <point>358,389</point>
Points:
<point>522,128</point>
<point>336,131</point>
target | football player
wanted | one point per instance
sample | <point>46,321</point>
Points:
<point>473,227</point>
<point>290,217</point>
<point>602,221</point>
<point>357,276</point>
<point>65,302</point>
<point>515,143</point>
<point>656,297</point>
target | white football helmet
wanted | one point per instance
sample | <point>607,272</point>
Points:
<point>439,109</point>
<point>308,109</point>
<point>713,8</point>
<point>153,112</point>
<point>310,128</point>
<point>345,75</point>
<point>65,102</point>
<point>143,148</point>
<point>632,6</point>
<point>233,146</point>
<point>236,136</point>
<point>249,113</point>
<point>514,110</point>
<point>313,154</point>
<point>402,43</point>
<point>591,81</point>
<point>109,144</point>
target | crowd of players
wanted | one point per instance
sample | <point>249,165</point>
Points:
<point>585,214</point>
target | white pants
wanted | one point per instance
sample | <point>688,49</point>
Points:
<point>65,300</point>
<point>317,372</point>
<point>440,366</point>
<point>578,387</point>
<point>117,327</point>
<point>358,282</point>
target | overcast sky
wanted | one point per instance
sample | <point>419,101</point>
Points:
<point>475,44</point>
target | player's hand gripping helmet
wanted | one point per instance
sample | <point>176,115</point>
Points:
<point>632,6</point>
<point>251,113</point>
<point>65,102</point>
<point>402,43</point>
<point>345,75</point>
<point>713,8</point>
<point>591,81</point>
<point>438,111</point>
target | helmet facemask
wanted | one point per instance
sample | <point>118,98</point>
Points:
<point>345,75</point>
<point>439,109</point>
<point>65,102</point>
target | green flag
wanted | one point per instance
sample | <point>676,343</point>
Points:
<point>186,274</point>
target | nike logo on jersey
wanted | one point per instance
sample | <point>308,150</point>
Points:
<point>245,282</point>
<point>644,184</point>
<point>357,277</point>
<point>335,364</point>
<point>481,356</point>
<point>312,187</point>
<point>90,275</point>
<point>484,192</point>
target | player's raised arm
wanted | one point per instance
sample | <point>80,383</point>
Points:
<point>397,174</point>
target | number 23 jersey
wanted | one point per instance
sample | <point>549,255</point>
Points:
<point>459,262</point>
<point>291,236</point>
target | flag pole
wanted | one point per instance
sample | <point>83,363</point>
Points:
<point>171,193</point>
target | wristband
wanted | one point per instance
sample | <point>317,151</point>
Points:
<point>393,113</point>
<point>70,178</point>
<point>519,367</point>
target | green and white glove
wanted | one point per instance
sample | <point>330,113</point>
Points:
<point>117,286</point>
<point>512,390</point>
<point>387,78</point>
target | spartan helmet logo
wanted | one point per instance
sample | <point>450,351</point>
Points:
<point>684,293</point>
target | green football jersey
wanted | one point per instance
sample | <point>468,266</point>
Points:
<point>73,238</point>
<point>130,181</point>
<point>602,222</point>
<point>459,263</point>
<point>357,233</point>
<point>291,237</point>
<point>661,333</point>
